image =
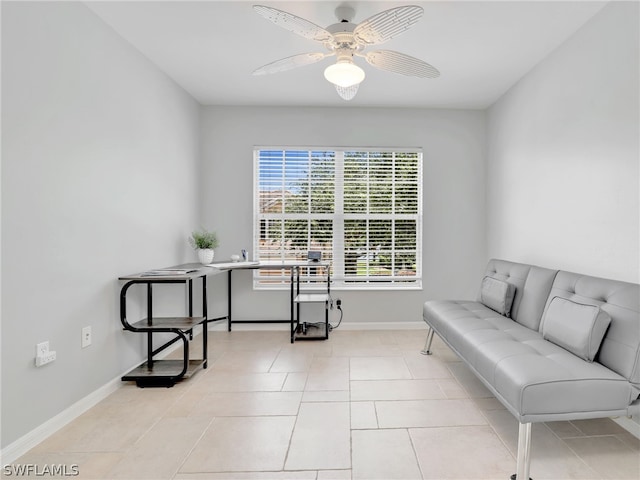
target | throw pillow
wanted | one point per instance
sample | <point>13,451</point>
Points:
<point>497,295</point>
<point>576,327</point>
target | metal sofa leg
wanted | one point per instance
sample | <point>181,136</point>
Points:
<point>427,345</point>
<point>524,453</point>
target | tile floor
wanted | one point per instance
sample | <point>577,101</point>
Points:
<point>362,405</point>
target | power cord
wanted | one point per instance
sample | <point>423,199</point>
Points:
<point>339,307</point>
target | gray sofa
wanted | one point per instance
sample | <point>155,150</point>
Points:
<point>542,357</point>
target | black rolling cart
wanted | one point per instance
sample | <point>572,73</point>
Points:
<point>321,295</point>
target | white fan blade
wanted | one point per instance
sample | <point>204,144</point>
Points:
<point>400,63</point>
<point>385,25</point>
<point>294,24</point>
<point>290,62</point>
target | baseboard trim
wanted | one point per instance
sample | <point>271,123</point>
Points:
<point>629,425</point>
<point>221,325</point>
<point>25,443</point>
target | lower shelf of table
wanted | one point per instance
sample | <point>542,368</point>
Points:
<point>164,373</point>
<point>315,331</point>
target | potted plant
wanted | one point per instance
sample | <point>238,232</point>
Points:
<point>204,242</point>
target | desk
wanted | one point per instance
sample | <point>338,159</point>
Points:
<point>166,373</point>
<point>296,299</point>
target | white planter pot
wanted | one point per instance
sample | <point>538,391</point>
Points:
<point>205,255</point>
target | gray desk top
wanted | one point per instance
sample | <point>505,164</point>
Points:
<point>197,270</point>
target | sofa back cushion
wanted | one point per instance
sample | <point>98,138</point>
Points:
<point>532,285</point>
<point>577,327</point>
<point>620,348</point>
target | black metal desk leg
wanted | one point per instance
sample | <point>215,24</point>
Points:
<point>190,283</point>
<point>205,324</point>
<point>229,299</point>
<point>149,322</point>
<point>292,301</point>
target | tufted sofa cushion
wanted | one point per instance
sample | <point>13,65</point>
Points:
<point>535,379</point>
<point>620,349</point>
<point>532,286</point>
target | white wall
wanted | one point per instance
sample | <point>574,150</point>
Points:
<point>100,154</point>
<point>563,155</point>
<point>454,251</point>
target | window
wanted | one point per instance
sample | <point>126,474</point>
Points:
<point>362,208</point>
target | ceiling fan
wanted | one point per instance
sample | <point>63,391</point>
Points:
<point>347,40</point>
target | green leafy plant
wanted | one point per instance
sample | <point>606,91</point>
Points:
<point>203,239</point>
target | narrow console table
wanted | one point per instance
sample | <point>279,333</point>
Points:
<point>165,373</point>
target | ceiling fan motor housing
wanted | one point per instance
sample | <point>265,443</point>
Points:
<point>343,38</point>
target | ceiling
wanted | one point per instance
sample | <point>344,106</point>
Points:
<point>211,48</point>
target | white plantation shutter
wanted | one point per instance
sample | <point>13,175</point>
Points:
<point>362,208</point>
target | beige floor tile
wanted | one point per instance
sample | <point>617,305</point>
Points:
<point>295,382</point>
<point>323,364</point>
<point>608,456</point>
<point>240,444</point>
<point>363,415</point>
<point>334,475</point>
<point>243,382</point>
<point>292,361</point>
<point>598,426</point>
<point>470,452</point>
<point>452,389</point>
<point>383,455</point>
<point>326,396</point>
<point>489,403</point>
<point>245,361</point>
<point>408,339</point>
<point>338,380</point>
<point>107,431</point>
<point>564,429</point>
<point>425,366</point>
<point>445,354</point>
<point>630,440</point>
<point>161,451</point>
<point>254,404</point>
<point>551,458</point>
<point>379,368</point>
<point>469,381</point>
<point>321,438</point>
<point>367,350</point>
<point>395,390</point>
<point>302,475</point>
<point>428,413</point>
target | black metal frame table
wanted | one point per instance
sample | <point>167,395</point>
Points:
<point>166,373</point>
<point>294,267</point>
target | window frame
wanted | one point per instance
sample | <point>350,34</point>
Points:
<point>338,217</point>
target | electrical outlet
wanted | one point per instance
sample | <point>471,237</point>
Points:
<point>47,358</point>
<point>86,337</point>
<point>42,349</point>
<point>43,355</point>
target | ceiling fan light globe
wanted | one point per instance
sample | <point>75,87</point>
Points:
<point>347,93</point>
<point>344,74</point>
